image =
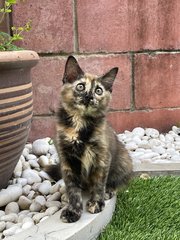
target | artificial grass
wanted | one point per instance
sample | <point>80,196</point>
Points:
<point>148,210</point>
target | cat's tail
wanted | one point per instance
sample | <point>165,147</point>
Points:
<point>54,171</point>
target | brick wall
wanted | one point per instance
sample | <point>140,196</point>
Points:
<point>141,37</point>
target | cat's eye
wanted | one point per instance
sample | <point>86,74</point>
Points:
<point>80,87</point>
<point>99,91</point>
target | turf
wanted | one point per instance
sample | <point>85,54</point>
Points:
<point>148,210</point>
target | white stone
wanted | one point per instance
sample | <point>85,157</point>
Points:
<point>158,149</point>
<point>43,161</point>
<point>51,210</point>
<point>25,152</point>
<point>2,213</point>
<point>11,231</point>
<point>35,207</point>
<point>31,157</point>
<point>162,137</point>
<point>136,139</point>
<point>169,138</point>
<point>45,187</point>
<point>27,225</point>
<point>29,146</point>
<point>52,150</point>
<point>2,226</point>
<point>154,142</point>
<point>44,175</point>
<point>24,202</point>
<point>148,155</point>
<point>41,200</point>
<point>12,207</point>
<point>53,203</point>
<point>40,147</point>
<point>34,164</point>
<point>54,197</point>
<point>26,189</point>
<point>10,194</point>
<point>144,144</point>
<point>26,219</point>
<point>26,165</point>
<point>131,146</point>
<point>22,181</point>
<point>35,187</point>
<point>138,131</point>
<point>31,175</point>
<point>11,217</point>
<point>31,194</point>
<point>55,188</point>
<point>18,169</point>
<point>37,217</point>
<point>136,155</point>
<point>151,132</point>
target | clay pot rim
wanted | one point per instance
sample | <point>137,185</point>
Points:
<point>18,59</point>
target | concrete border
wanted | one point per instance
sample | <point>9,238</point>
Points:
<point>87,228</point>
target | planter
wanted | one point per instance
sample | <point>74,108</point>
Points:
<point>16,106</point>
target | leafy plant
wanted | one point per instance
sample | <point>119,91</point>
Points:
<point>7,40</point>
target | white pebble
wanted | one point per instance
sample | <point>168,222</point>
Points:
<point>43,161</point>
<point>45,187</point>
<point>24,202</point>
<point>53,203</point>
<point>33,163</point>
<point>55,188</point>
<point>41,200</point>
<point>44,218</point>
<point>10,194</point>
<point>26,189</point>
<point>31,175</point>
<point>27,225</point>
<point>29,147</point>
<point>11,231</point>
<point>40,147</point>
<point>138,131</point>
<point>162,137</point>
<point>25,152</point>
<point>144,144</point>
<point>2,213</point>
<point>158,149</point>
<point>31,194</point>
<point>37,217</point>
<point>175,158</point>
<point>18,169</point>
<point>44,175</point>
<point>22,181</point>
<point>51,210</point>
<point>52,150</point>
<point>31,157</point>
<point>12,207</point>
<point>54,197</point>
<point>131,146</point>
<point>151,132</point>
<point>35,207</point>
<point>2,226</point>
<point>12,217</point>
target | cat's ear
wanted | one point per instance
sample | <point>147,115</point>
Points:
<point>72,70</point>
<point>108,79</point>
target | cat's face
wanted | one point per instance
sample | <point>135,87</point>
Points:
<point>84,92</point>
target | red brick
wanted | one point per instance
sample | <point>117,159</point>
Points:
<point>162,119</point>
<point>157,83</point>
<point>128,25</point>
<point>47,79</point>
<point>42,127</point>
<point>52,24</point>
<point>100,64</point>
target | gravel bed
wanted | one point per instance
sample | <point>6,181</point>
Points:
<point>31,196</point>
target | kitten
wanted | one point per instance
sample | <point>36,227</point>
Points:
<point>91,157</point>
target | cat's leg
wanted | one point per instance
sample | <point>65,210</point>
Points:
<point>73,211</point>
<point>96,202</point>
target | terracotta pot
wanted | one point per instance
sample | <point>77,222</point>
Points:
<point>16,106</point>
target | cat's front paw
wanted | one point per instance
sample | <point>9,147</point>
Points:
<point>95,206</point>
<point>70,215</point>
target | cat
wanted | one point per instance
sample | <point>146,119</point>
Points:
<point>91,157</point>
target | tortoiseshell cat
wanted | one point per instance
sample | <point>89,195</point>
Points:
<point>91,157</point>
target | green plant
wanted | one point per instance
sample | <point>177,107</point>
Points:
<point>7,40</point>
